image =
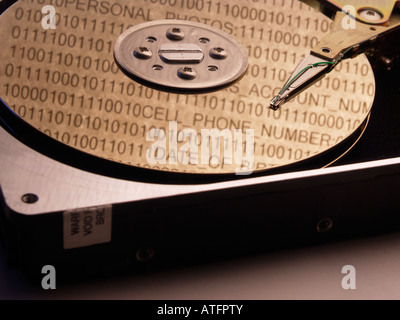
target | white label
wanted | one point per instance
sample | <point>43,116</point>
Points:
<point>86,227</point>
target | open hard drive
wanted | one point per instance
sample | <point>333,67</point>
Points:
<point>153,132</point>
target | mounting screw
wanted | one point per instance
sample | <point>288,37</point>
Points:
<point>218,53</point>
<point>175,34</point>
<point>187,73</point>
<point>370,14</point>
<point>143,53</point>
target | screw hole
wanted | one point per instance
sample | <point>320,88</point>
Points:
<point>372,29</point>
<point>30,198</point>
<point>212,68</point>
<point>151,39</point>
<point>204,40</point>
<point>145,254</point>
<point>326,50</point>
<point>324,225</point>
<point>157,67</point>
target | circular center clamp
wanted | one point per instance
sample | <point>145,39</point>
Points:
<point>180,56</point>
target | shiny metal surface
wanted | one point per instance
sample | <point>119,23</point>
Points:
<point>180,44</point>
<point>65,82</point>
<point>59,187</point>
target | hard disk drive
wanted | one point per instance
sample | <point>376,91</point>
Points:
<point>146,133</point>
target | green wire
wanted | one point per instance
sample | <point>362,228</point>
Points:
<point>312,66</point>
<point>300,73</point>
